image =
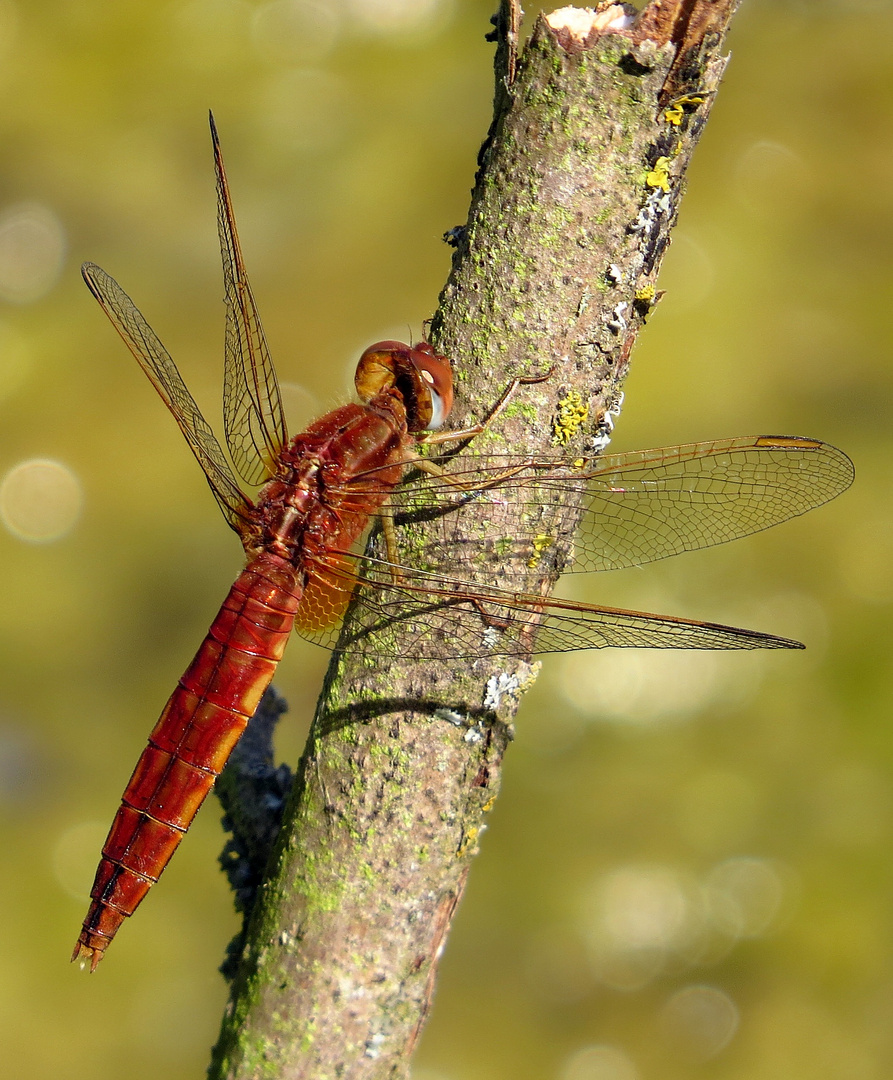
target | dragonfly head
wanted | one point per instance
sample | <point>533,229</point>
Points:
<point>421,376</point>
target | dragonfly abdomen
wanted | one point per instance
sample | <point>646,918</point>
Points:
<point>196,733</point>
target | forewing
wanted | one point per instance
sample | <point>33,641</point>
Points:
<point>156,362</point>
<point>639,507</point>
<point>650,505</point>
<point>254,421</point>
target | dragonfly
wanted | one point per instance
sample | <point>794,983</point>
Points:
<point>320,492</point>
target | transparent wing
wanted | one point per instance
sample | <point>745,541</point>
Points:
<point>428,616</point>
<point>156,362</point>
<point>254,421</point>
<point>639,507</point>
<point>652,504</point>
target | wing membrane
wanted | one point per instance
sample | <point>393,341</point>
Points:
<point>254,421</point>
<point>156,362</point>
<point>440,618</point>
<point>650,505</point>
<point>640,507</point>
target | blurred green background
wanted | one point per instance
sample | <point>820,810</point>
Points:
<point>688,873</point>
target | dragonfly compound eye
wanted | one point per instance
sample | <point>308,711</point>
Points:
<point>437,375</point>
<point>421,376</point>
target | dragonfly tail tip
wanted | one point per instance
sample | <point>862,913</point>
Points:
<point>83,953</point>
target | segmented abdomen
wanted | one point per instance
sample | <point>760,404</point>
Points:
<point>191,742</point>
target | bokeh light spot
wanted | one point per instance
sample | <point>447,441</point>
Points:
<point>744,895</point>
<point>643,906</point>
<point>644,688</point>
<point>40,500</point>
<point>32,252</point>
<point>632,919</point>
<point>599,1062</point>
<point>702,1018</point>
<point>416,18</point>
<point>769,174</point>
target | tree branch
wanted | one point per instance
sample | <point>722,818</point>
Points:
<point>579,185</point>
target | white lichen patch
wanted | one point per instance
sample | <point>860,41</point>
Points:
<point>617,322</point>
<point>457,719</point>
<point>605,427</point>
<point>510,684</point>
<point>374,1045</point>
<point>614,274</point>
<point>656,205</point>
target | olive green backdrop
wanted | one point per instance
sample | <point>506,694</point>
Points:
<point>688,874</point>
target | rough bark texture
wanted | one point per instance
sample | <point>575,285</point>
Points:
<point>579,184</point>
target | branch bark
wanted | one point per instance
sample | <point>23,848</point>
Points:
<point>579,184</point>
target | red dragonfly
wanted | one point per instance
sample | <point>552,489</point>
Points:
<point>320,490</point>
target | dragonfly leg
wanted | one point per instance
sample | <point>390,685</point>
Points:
<point>390,542</point>
<point>433,469</point>
<point>491,620</point>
